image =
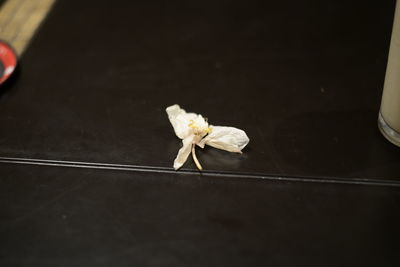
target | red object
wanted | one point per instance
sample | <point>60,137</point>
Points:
<point>8,59</point>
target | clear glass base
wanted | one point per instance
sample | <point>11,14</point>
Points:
<point>387,131</point>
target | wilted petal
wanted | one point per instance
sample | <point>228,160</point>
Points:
<point>184,152</point>
<point>226,138</point>
<point>180,120</point>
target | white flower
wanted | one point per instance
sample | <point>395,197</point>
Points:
<point>194,130</point>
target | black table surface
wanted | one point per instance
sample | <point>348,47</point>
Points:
<point>317,184</point>
<point>85,217</point>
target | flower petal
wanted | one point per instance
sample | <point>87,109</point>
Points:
<point>226,138</point>
<point>184,152</point>
<point>180,120</point>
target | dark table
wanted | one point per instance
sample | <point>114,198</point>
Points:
<point>86,148</point>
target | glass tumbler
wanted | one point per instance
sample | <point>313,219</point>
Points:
<point>389,115</point>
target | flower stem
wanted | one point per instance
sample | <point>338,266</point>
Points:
<point>195,158</point>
